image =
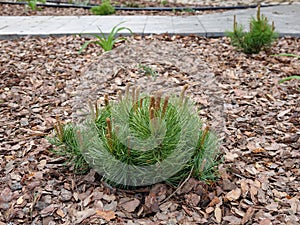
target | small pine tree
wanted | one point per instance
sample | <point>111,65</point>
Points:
<point>261,34</point>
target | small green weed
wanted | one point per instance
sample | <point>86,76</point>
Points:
<point>33,4</point>
<point>80,2</point>
<point>148,71</point>
<point>132,5</point>
<point>288,55</point>
<point>104,9</point>
<point>290,77</point>
<point>107,43</point>
<point>261,35</point>
<point>188,10</point>
<point>164,2</point>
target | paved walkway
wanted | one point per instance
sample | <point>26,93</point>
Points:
<point>286,18</point>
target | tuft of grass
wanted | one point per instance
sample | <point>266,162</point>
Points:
<point>107,42</point>
<point>104,9</point>
<point>142,139</point>
<point>260,36</point>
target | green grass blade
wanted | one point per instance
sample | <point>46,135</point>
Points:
<point>85,45</point>
<point>289,78</point>
<point>288,55</point>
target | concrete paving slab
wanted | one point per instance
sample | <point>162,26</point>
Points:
<point>74,24</point>
<point>159,25</point>
<point>106,24</point>
<point>27,25</point>
<point>188,25</point>
<point>10,21</point>
<point>286,18</point>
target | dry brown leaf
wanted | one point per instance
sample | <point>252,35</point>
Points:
<point>87,200</point>
<point>20,200</point>
<point>230,157</point>
<point>82,215</point>
<point>218,214</point>
<point>209,210</point>
<point>232,220</point>
<point>258,150</point>
<point>214,202</point>
<point>244,187</point>
<point>131,205</point>
<point>6,195</point>
<point>60,213</point>
<point>192,199</point>
<point>151,204</point>
<point>272,206</point>
<point>265,222</point>
<point>248,215</point>
<point>49,210</point>
<point>107,215</point>
<point>234,194</point>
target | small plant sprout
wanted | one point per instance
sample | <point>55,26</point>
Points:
<point>132,4</point>
<point>288,55</point>
<point>143,139</point>
<point>164,2</point>
<point>290,77</point>
<point>148,71</point>
<point>260,36</point>
<point>33,4</point>
<point>107,42</point>
<point>188,10</point>
<point>104,9</point>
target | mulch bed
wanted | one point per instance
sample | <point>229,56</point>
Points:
<point>259,176</point>
<point>22,10</point>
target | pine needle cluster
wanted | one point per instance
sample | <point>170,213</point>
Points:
<point>260,36</point>
<point>141,140</point>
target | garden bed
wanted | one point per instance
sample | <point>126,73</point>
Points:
<point>259,175</point>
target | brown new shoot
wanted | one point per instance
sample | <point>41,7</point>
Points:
<point>165,106</point>
<point>59,129</point>
<point>152,104</point>
<point>106,100</point>
<point>158,100</point>
<point>119,95</point>
<point>96,110</point>
<point>152,112</point>
<point>109,133</point>
<point>127,90</point>
<point>182,94</point>
<point>205,132</point>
